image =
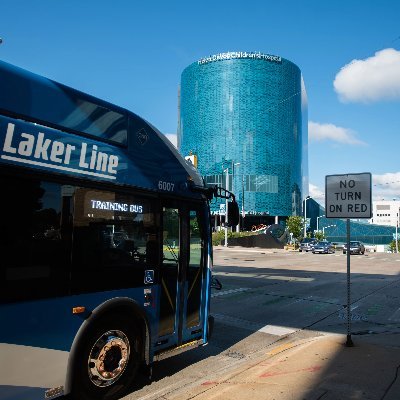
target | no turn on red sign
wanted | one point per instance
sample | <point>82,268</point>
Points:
<point>348,196</point>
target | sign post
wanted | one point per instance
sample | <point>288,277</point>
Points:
<point>348,196</point>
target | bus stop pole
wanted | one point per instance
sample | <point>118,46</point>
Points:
<point>349,342</point>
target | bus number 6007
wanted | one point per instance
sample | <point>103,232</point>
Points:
<point>168,186</point>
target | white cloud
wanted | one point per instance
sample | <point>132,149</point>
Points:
<point>173,138</point>
<point>319,132</point>
<point>317,194</point>
<point>386,186</point>
<point>373,79</point>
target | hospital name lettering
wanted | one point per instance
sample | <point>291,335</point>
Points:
<point>47,150</point>
<point>240,54</point>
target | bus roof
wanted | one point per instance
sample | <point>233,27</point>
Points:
<point>107,142</point>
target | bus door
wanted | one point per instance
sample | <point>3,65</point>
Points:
<point>182,276</point>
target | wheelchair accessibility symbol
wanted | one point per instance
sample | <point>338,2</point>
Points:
<point>148,276</point>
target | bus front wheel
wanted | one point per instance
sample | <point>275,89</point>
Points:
<point>108,360</point>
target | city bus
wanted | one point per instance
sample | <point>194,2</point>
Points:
<point>105,244</point>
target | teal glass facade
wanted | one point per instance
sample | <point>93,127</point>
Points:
<point>336,231</point>
<point>248,109</point>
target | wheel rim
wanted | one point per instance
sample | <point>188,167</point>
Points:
<point>108,358</point>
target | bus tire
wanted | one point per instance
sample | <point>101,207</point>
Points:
<point>108,360</point>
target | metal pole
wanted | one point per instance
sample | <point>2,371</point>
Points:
<point>242,201</point>
<point>226,208</point>
<point>318,221</point>
<point>397,227</point>
<point>233,183</point>
<point>349,342</point>
<point>305,217</point>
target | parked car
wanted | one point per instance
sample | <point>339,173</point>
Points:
<point>323,247</point>
<point>307,244</point>
<point>356,247</point>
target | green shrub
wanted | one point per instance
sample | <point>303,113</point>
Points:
<point>218,237</point>
<point>392,246</point>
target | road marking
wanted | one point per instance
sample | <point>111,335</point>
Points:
<point>277,330</point>
<point>224,292</point>
<point>264,276</point>
<point>254,326</point>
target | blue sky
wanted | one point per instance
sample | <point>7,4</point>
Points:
<point>132,53</point>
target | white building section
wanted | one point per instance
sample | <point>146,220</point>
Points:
<point>385,212</point>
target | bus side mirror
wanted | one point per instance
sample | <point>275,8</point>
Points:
<point>233,213</point>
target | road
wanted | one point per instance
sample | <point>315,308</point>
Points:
<point>269,297</point>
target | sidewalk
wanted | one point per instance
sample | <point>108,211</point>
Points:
<point>321,368</point>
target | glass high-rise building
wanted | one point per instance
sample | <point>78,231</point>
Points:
<point>246,114</point>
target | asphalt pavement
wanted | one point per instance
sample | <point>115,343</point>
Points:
<point>319,367</point>
<point>300,356</point>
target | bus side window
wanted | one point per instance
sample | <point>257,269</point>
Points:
<point>34,239</point>
<point>112,239</point>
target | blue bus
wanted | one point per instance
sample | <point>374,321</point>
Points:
<point>105,244</point>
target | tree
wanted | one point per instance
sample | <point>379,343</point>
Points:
<point>319,235</point>
<point>392,246</point>
<point>295,225</point>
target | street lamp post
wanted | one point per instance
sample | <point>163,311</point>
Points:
<point>318,221</point>
<point>226,206</point>
<point>325,227</point>
<point>243,213</point>
<point>226,171</point>
<point>305,215</point>
<point>233,182</point>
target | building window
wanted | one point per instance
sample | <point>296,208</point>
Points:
<point>218,180</point>
<point>252,183</point>
<point>261,183</point>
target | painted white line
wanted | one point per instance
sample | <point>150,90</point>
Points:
<point>224,292</point>
<point>277,330</point>
<point>263,276</point>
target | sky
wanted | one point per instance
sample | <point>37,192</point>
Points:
<point>132,53</point>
